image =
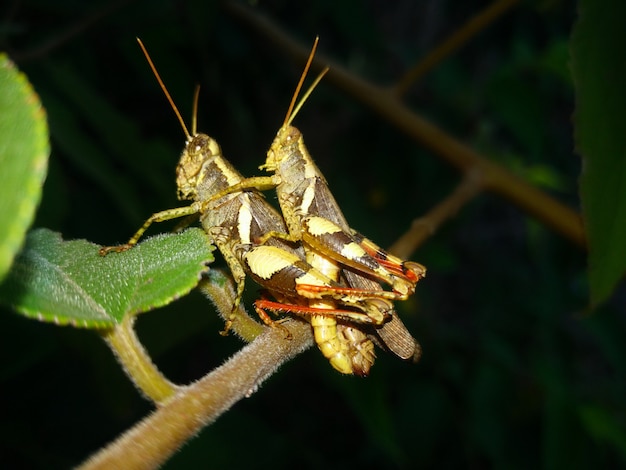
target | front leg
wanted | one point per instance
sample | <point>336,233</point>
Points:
<point>158,217</point>
<point>260,183</point>
<point>221,237</point>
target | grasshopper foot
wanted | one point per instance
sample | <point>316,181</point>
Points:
<point>227,327</point>
<point>105,250</point>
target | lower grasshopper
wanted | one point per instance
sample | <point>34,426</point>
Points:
<point>236,222</point>
<point>313,217</point>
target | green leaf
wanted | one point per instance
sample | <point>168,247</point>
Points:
<point>598,51</point>
<point>24,151</point>
<point>68,282</point>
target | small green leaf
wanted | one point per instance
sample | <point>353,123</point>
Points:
<point>599,68</point>
<point>68,282</point>
<point>24,151</point>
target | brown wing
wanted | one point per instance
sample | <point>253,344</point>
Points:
<point>393,335</point>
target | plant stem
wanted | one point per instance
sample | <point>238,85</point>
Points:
<point>153,440</point>
<point>219,288</point>
<point>137,364</point>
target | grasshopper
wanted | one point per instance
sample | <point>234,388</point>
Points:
<point>236,222</point>
<point>314,218</point>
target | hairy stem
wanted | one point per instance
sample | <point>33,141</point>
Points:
<point>220,290</point>
<point>153,440</point>
<point>137,363</point>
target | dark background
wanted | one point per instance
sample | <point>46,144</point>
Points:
<point>516,372</point>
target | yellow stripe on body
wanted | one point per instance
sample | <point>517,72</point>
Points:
<point>232,177</point>
<point>313,278</point>
<point>244,220</point>
<point>307,198</point>
<point>310,170</point>
<point>321,226</point>
<point>266,261</point>
<point>353,251</point>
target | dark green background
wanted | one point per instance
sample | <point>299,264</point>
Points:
<point>515,374</point>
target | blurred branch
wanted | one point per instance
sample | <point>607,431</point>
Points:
<point>497,179</point>
<point>462,35</point>
<point>74,30</point>
<point>422,228</point>
<point>152,441</point>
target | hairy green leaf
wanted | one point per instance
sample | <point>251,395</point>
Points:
<point>68,282</point>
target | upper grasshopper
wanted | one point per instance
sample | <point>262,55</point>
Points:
<point>313,217</point>
<point>236,222</point>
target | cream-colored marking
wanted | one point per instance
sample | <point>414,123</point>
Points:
<point>268,260</point>
<point>231,177</point>
<point>353,251</point>
<point>307,197</point>
<point>310,170</point>
<point>244,220</point>
<point>214,148</point>
<point>324,265</point>
<point>316,279</point>
<point>325,305</point>
<point>321,226</point>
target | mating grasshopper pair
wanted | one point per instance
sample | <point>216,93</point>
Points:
<point>309,259</point>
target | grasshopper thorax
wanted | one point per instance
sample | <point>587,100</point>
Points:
<point>200,150</point>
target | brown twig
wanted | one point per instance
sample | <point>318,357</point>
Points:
<point>475,25</point>
<point>152,441</point>
<point>422,228</point>
<point>497,179</point>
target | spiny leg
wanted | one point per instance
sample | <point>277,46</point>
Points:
<point>237,271</point>
<point>158,217</point>
<point>305,310</point>
<point>270,322</point>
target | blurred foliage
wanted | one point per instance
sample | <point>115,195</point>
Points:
<point>24,152</point>
<point>599,68</point>
<point>515,374</point>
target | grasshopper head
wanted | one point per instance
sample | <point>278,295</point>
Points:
<point>190,170</point>
<point>284,146</point>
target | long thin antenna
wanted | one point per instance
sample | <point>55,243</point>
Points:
<point>288,117</point>
<point>167,94</point>
<point>307,94</point>
<point>194,116</point>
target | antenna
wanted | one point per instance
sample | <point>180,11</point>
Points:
<point>293,108</point>
<point>169,97</point>
<point>307,94</point>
